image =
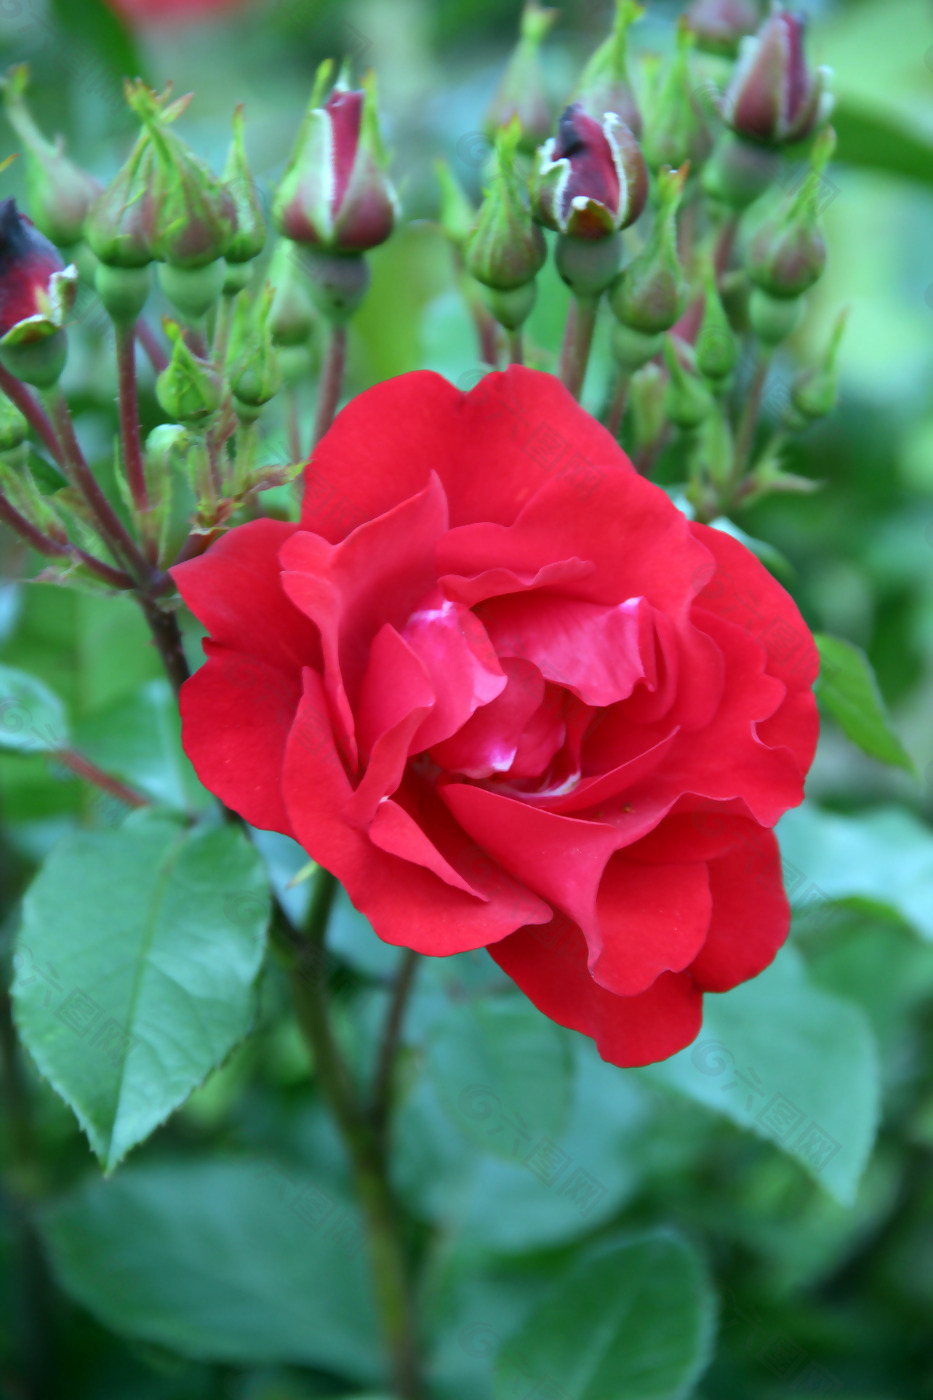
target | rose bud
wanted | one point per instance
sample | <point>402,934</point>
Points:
<point>59,192</point>
<point>591,179</point>
<point>676,131</point>
<point>522,93</point>
<point>188,390</point>
<point>814,392</point>
<point>720,25</point>
<point>456,214</point>
<point>717,348</point>
<point>249,237</point>
<point>193,215</point>
<point>787,254</point>
<point>774,96</point>
<point>604,86</point>
<point>335,193</point>
<point>688,400</point>
<point>506,250</point>
<point>36,293</point>
<point>255,373</point>
<point>650,293</point>
<point>14,429</point>
<point>119,222</point>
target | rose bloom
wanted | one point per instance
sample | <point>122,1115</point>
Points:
<point>501,687</point>
<point>163,12</point>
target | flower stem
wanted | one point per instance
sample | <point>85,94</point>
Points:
<point>222,330</point>
<point>391,1034</point>
<point>749,420</point>
<point>617,405</point>
<point>83,768</point>
<point>33,412</point>
<point>129,416</point>
<point>578,338</point>
<point>331,382</point>
<point>387,1255</point>
<point>516,349</point>
<point>148,340</point>
<point>167,637</point>
<point>114,532</point>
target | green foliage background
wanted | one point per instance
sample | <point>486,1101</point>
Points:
<point>190,1273</point>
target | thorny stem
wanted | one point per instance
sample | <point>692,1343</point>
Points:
<point>331,383</point>
<point>129,416</point>
<point>389,1266</point>
<point>17,392</point>
<point>578,338</point>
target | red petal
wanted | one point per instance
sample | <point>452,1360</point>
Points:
<point>488,742</point>
<point>549,964</point>
<point>745,593</point>
<point>395,698</point>
<point>406,903</point>
<point>236,713</point>
<point>460,662</point>
<point>596,651</point>
<point>652,919</point>
<point>235,590</point>
<point>751,915</point>
<point>492,449</point>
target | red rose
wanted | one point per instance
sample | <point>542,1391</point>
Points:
<point>500,686</point>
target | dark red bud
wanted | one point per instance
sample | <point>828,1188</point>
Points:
<point>27,262</point>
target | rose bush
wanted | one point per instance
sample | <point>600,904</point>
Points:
<point>501,687</point>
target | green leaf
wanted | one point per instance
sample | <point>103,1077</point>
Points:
<point>882,859</point>
<point>847,688</point>
<point>794,1064</point>
<point>495,1060</point>
<point>139,739</point>
<point>240,1261</point>
<point>32,718</point>
<point>550,1191</point>
<point>135,968</point>
<point>633,1319</point>
<point>872,140</point>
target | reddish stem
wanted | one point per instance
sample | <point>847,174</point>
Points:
<point>148,340</point>
<point>331,382</point>
<point>84,768</point>
<point>129,417</point>
<point>33,412</point>
<point>578,338</point>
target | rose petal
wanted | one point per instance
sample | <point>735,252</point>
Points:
<point>652,919</point>
<point>549,964</point>
<point>751,915</point>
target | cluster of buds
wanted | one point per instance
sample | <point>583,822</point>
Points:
<point>242,325</point>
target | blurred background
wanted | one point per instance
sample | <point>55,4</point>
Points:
<point>821,1291</point>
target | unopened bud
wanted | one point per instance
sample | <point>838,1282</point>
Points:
<point>631,349</point>
<point>591,179</point>
<point>292,318</point>
<point>604,86</point>
<point>119,223</point>
<point>650,292</point>
<point>676,131</point>
<point>14,429</point>
<point>720,25</point>
<point>457,215</point>
<point>123,290</point>
<point>738,172</point>
<point>646,395</point>
<point>249,237</point>
<point>814,392</point>
<point>36,294</point>
<point>506,249</point>
<point>787,254</point>
<point>59,193</point>
<point>336,193</point>
<point>188,390</point>
<point>255,373</point>
<point>688,400</point>
<point>774,96</point>
<point>717,349</point>
<point>522,92</point>
<point>773,319</point>
<point>338,283</point>
<point>193,216</point>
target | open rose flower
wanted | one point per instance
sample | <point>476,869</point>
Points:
<point>501,687</point>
